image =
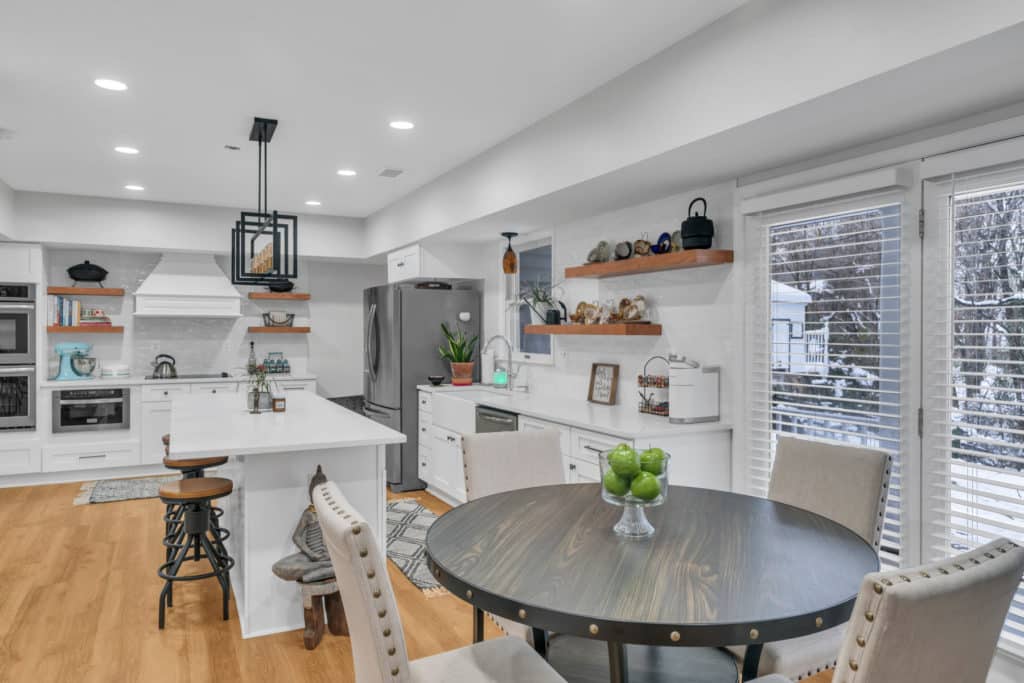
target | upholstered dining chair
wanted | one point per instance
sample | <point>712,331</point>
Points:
<point>846,484</point>
<point>506,461</point>
<point>937,622</point>
<point>375,627</point>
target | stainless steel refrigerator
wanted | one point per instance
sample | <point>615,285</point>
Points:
<point>400,349</point>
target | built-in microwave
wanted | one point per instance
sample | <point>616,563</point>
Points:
<point>17,324</point>
<point>86,410</point>
<point>17,397</point>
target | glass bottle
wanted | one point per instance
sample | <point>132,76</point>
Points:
<point>252,358</point>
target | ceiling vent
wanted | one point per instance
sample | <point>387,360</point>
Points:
<point>391,173</point>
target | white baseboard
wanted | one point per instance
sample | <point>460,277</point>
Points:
<point>42,478</point>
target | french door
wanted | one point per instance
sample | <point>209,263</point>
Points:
<point>972,394</point>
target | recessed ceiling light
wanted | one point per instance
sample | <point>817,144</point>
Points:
<point>402,125</point>
<point>312,202</point>
<point>347,172</point>
<point>126,150</point>
<point>110,84</point>
<point>134,188</point>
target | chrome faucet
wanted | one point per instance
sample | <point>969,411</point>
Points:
<point>508,366</point>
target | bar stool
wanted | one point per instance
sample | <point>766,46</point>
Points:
<point>190,468</point>
<point>193,534</point>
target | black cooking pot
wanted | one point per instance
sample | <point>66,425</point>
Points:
<point>281,286</point>
<point>87,272</point>
<point>697,230</point>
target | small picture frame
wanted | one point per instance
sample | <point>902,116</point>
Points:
<point>604,383</point>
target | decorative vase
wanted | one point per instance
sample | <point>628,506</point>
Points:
<point>259,401</point>
<point>462,374</point>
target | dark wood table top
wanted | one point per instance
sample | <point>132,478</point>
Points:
<point>722,569</point>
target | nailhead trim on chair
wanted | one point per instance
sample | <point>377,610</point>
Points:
<point>356,529</point>
<point>869,614</point>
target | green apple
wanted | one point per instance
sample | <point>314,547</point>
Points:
<point>624,461</point>
<point>652,460</point>
<point>645,486</point>
<point>615,484</point>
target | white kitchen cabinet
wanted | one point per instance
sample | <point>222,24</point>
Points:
<point>164,392</point>
<point>446,466</point>
<point>297,385</point>
<point>527,424</point>
<point>584,448</point>
<point>156,421</point>
<point>22,263</point>
<point>215,388</point>
<point>416,262</point>
<point>85,456</point>
<point>425,470</point>
<point>404,264</point>
<point>20,458</point>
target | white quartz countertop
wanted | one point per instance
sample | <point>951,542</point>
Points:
<point>136,380</point>
<point>623,421</point>
<point>220,424</point>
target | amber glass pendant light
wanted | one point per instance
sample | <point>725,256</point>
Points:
<point>510,262</point>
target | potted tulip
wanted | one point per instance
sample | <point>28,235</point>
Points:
<point>458,351</point>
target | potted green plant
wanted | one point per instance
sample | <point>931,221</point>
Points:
<point>458,351</point>
<point>541,299</point>
<point>259,390</point>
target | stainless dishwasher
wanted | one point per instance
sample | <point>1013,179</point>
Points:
<point>493,420</point>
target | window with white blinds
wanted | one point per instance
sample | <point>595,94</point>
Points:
<point>973,456</point>
<point>828,338</point>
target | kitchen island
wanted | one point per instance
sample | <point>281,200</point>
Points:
<point>272,458</point>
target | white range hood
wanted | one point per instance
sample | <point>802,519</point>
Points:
<point>187,286</point>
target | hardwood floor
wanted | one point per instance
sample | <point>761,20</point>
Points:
<point>78,602</point>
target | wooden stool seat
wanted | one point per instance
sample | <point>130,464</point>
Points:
<point>202,488</point>
<point>194,463</point>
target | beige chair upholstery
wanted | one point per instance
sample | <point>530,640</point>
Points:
<point>375,628</point>
<point>938,622</point>
<point>846,484</point>
<point>506,461</point>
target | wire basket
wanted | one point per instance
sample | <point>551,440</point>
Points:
<point>653,390</point>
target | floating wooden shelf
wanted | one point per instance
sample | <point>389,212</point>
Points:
<point>278,330</point>
<point>281,296</point>
<point>622,329</point>
<point>85,329</point>
<point>86,291</point>
<point>694,258</point>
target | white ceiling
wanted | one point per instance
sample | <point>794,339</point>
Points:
<point>469,73</point>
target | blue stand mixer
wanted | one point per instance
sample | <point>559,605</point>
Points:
<point>67,351</point>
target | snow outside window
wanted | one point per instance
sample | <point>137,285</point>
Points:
<point>828,354</point>
<point>973,456</point>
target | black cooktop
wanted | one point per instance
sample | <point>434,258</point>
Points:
<point>214,375</point>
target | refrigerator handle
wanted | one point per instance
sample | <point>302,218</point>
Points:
<point>370,321</point>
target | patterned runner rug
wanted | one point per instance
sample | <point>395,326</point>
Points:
<point>408,522</point>
<point>111,490</point>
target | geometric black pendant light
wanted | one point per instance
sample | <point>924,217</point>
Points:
<point>264,242</point>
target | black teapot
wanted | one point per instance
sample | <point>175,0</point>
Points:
<point>553,316</point>
<point>697,229</point>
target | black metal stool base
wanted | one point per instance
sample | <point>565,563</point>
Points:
<point>193,532</point>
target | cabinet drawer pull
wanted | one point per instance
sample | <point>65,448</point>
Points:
<point>592,449</point>
<point>92,457</point>
<point>450,438</point>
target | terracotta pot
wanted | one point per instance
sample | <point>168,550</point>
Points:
<point>462,374</point>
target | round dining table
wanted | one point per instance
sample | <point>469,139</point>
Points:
<point>721,569</point>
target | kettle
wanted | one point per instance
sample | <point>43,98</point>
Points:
<point>164,369</point>
<point>697,230</point>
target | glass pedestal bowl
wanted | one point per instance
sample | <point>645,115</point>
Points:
<point>634,487</point>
